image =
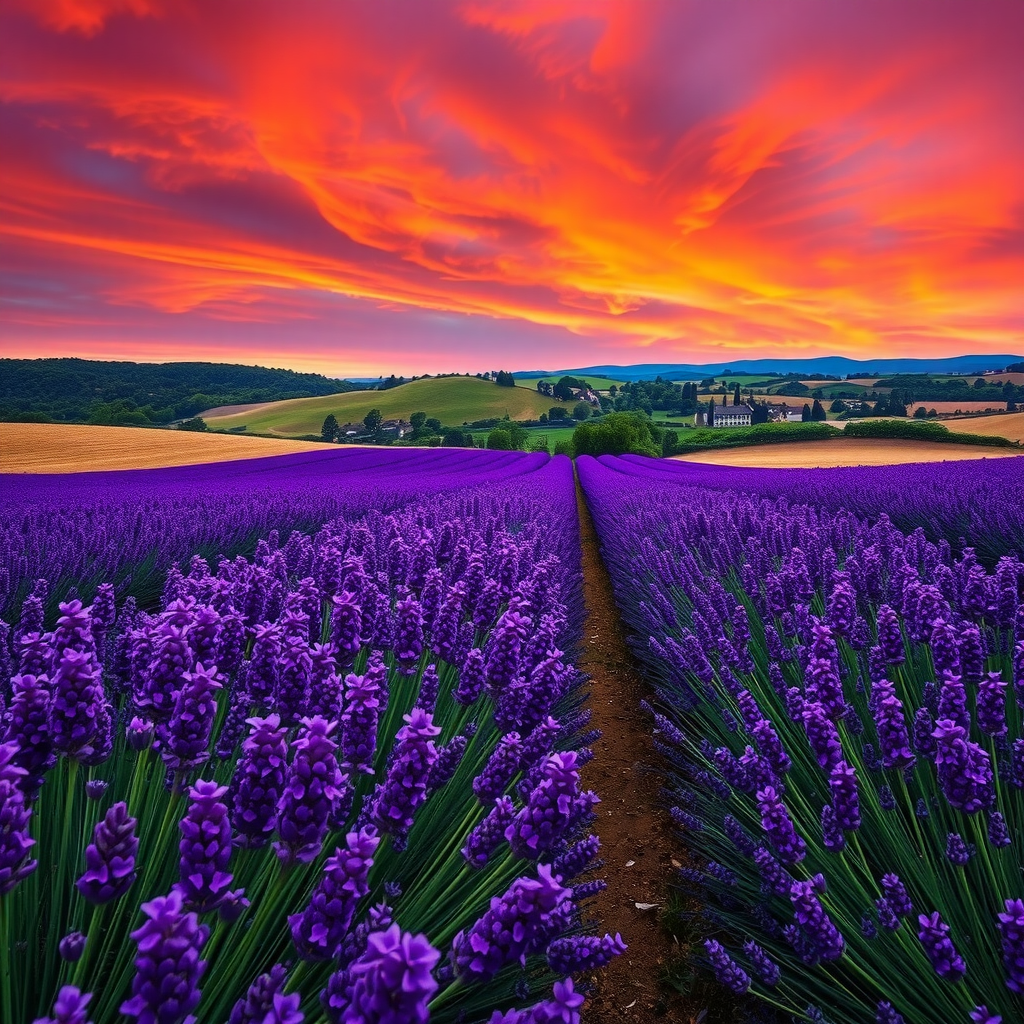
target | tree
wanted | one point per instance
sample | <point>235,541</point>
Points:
<point>543,418</point>
<point>504,379</point>
<point>433,425</point>
<point>329,431</point>
<point>837,406</point>
<point>499,440</point>
<point>197,423</point>
<point>618,433</point>
<point>581,411</point>
<point>711,412</point>
<point>613,390</point>
<point>669,441</point>
<point>558,413</point>
<point>372,420</point>
<point>920,413</point>
<point>818,413</point>
<point>417,419</point>
<point>806,413</point>
<point>736,395</point>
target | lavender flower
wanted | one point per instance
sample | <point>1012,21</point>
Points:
<point>188,732</point>
<point>408,635</point>
<point>69,1007</point>
<point>517,924</point>
<point>259,781</point>
<point>845,798</point>
<point>28,727</point>
<point>1011,934</point>
<point>110,857</point>
<point>578,953</point>
<point>489,834</point>
<point>548,810</point>
<point>934,935</point>
<point>998,833</point>
<point>775,820</point>
<point>727,971</point>
<point>359,723</point>
<point>964,769</point>
<point>77,700</point>
<point>991,705</point>
<point>500,768</point>
<point>764,967</point>
<point>318,930</point>
<point>71,947</point>
<point>815,922</point>
<point>258,1002</point>
<point>893,739</point>
<point>205,848</point>
<point>312,787</point>
<point>405,787</point>
<point>168,970</point>
<point>896,895</point>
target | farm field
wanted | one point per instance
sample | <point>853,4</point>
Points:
<point>74,447</point>
<point>845,452</point>
<point>1009,425</point>
<point>952,407</point>
<point>598,383</point>
<point>453,400</point>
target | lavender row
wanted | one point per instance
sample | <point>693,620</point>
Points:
<point>337,781</point>
<point>128,527</point>
<point>839,718</point>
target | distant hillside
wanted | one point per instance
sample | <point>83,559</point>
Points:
<point>452,400</point>
<point>140,394</point>
<point>838,366</point>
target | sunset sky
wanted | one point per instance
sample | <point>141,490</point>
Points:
<point>418,186</point>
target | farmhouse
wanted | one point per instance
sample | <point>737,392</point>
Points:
<point>726,416</point>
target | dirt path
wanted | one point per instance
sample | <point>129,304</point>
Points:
<point>632,827</point>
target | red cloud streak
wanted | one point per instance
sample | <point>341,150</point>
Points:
<point>357,187</point>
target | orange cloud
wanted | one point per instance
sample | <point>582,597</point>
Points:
<point>679,179</point>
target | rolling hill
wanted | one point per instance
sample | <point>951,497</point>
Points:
<point>453,400</point>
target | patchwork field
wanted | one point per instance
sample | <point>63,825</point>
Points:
<point>950,407</point>
<point>1011,425</point>
<point>76,448</point>
<point>852,452</point>
<point>453,400</point>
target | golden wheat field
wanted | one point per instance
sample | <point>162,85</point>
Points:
<point>77,448</point>
<point>1011,425</point>
<point>855,451</point>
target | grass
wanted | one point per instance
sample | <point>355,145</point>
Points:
<point>453,400</point>
<point>597,383</point>
<point>76,448</point>
<point>1010,425</point>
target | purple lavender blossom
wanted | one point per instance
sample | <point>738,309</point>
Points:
<point>70,1007</point>
<point>577,953</point>
<point>168,970</point>
<point>319,929</point>
<point>405,787</point>
<point>885,1013</point>
<point>471,679</point>
<point>765,968</point>
<point>139,733</point>
<point>359,723</point>
<point>77,700</point>
<point>981,1015</point>
<point>964,769</point>
<point>489,834</point>
<point>71,947</point>
<point>998,833</point>
<point>430,686</point>
<point>259,781</point>
<point>191,723</point>
<point>205,848</point>
<point>934,935</point>
<point>821,734</point>
<point>28,727</point>
<point>547,813</point>
<point>110,857</point>
<point>813,919</point>
<point>845,798</point>
<point>312,787</point>
<point>1011,933</point>
<point>517,924</point>
<point>991,705</point>
<point>500,768</point>
<point>727,971</point>
<point>776,822</point>
<point>893,739</point>
<point>254,1006</point>
<point>896,894</point>
<point>408,635</point>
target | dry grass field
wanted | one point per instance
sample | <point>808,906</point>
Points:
<point>948,407</point>
<point>852,452</point>
<point>1011,425</point>
<point>77,448</point>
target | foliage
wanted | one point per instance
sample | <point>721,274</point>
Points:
<point>916,431</point>
<point>581,411</point>
<point>499,440</point>
<point>372,420</point>
<point>329,431</point>
<point>196,423</point>
<point>762,433</point>
<point>618,434</point>
<point>122,393</point>
<point>504,379</point>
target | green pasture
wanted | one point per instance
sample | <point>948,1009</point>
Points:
<point>453,400</point>
<point>597,383</point>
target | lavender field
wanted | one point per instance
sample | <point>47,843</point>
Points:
<point>301,739</point>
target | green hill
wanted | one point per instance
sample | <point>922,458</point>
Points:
<point>453,400</point>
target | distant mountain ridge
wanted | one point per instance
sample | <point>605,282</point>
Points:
<point>838,366</point>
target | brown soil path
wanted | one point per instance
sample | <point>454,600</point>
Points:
<point>633,828</point>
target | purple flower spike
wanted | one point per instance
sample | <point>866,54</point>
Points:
<point>548,810</point>
<point>981,1015</point>
<point>28,726</point>
<point>14,814</point>
<point>110,857</point>
<point>489,834</point>
<point>405,787</point>
<point>766,969</point>
<point>168,970</point>
<point>886,1013</point>
<point>359,723</point>
<point>69,1007</point>
<point>815,922</point>
<point>893,738</point>
<point>71,947</point>
<point>408,635</point>
<point>896,895</point>
<point>775,820</point>
<point>516,925</point>
<point>188,732</point>
<point>1011,932</point>
<point>727,971</point>
<point>259,781</point>
<point>319,930</point>
<point>964,769</point>
<point>471,679</point>
<point>205,848</point>
<point>255,1005</point>
<point>77,700</point>
<point>139,733</point>
<point>311,790</point>
<point>934,935</point>
<point>393,980</point>
<point>842,782</point>
<point>500,768</point>
<point>991,705</point>
<point>578,953</point>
